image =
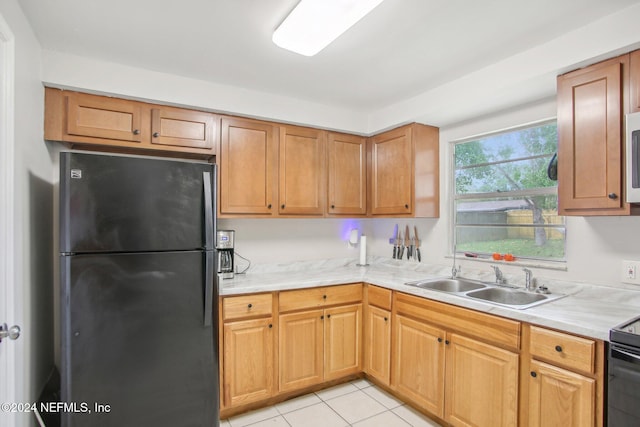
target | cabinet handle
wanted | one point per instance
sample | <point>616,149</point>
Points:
<point>269,206</point>
<point>156,134</point>
<point>324,297</point>
<point>446,342</point>
<point>333,206</point>
<point>322,317</point>
<point>136,131</point>
<point>270,326</point>
<point>612,196</point>
<point>328,316</point>
<point>282,206</point>
<point>559,349</point>
<point>385,319</point>
<point>406,206</point>
<point>533,374</point>
<point>250,305</point>
<point>439,339</point>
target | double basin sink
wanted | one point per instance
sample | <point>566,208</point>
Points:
<point>481,291</point>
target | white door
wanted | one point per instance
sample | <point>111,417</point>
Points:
<point>11,373</point>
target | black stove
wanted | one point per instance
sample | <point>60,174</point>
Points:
<point>623,407</point>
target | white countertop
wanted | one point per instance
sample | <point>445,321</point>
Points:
<point>587,310</point>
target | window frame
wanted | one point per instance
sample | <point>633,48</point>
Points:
<point>553,263</point>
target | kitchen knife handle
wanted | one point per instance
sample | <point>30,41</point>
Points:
<point>395,248</point>
<point>418,253</point>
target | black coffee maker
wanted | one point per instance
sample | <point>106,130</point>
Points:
<point>225,240</point>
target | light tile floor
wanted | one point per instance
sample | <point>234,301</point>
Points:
<point>358,403</point>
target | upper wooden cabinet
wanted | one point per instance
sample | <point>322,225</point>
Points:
<point>112,124</point>
<point>591,106</point>
<point>404,172</point>
<point>347,174</point>
<point>248,167</point>
<point>302,171</point>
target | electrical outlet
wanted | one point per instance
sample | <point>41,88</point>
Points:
<point>629,272</point>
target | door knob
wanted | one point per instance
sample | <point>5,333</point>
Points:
<point>12,333</point>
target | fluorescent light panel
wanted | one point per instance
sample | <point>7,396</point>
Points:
<point>314,24</point>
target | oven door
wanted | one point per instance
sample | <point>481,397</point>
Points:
<point>624,385</point>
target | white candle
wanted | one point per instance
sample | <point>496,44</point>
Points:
<point>363,250</point>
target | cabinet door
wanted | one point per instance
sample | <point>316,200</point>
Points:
<point>101,117</point>
<point>418,364</point>
<point>342,341</point>
<point>347,180</point>
<point>302,188</point>
<point>392,173</point>
<point>301,349</point>
<point>482,384</point>
<point>248,361</point>
<point>248,167</point>
<point>558,397</point>
<point>175,127</point>
<point>378,344</point>
<point>590,159</point>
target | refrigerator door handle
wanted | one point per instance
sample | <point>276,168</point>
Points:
<point>208,211</point>
<point>208,287</point>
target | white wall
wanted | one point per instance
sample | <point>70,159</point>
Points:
<point>32,213</point>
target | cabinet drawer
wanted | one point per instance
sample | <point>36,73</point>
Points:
<point>245,306</point>
<point>319,297</point>
<point>380,297</point>
<point>573,352</point>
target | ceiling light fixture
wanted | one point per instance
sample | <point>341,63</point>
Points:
<point>314,24</point>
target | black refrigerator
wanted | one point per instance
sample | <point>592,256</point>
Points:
<point>138,292</point>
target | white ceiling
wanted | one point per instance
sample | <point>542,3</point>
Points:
<point>400,50</point>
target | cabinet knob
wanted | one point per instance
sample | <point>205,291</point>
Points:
<point>385,319</point>
<point>269,206</point>
<point>446,342</point>
<point>282,206</point>
<point>559,349</point>
<point>333,206</point>
<point>612,196</point>
<point>439,339</point>
<point>533,374</point>
<point>321,317</point>
<point>156,134</point>
<point>324,297</point>
<point>136,131</point>
<point>250,305</point>
<point>406,206</point>
<point>270,326</point>
<point>328,316</point>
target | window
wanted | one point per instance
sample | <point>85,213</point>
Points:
<point>504,200</point>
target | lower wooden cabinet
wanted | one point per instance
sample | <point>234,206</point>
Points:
<point>248,361</point>
<point>465,367</point>
<point>558,397</point>
<point>563,380</point>
<point>418,366</point>
<point>481,384</point>
<point>319,345</point>
<point>378,344</point>
<point>301,349</point>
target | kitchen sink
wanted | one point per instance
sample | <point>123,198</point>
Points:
<point>487,292</point>
<point>508,297</point>
<point>451,285</point>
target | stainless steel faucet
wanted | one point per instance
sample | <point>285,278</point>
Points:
<point>528,282</point>
<point>499,277</point>
<point>454,270</point>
